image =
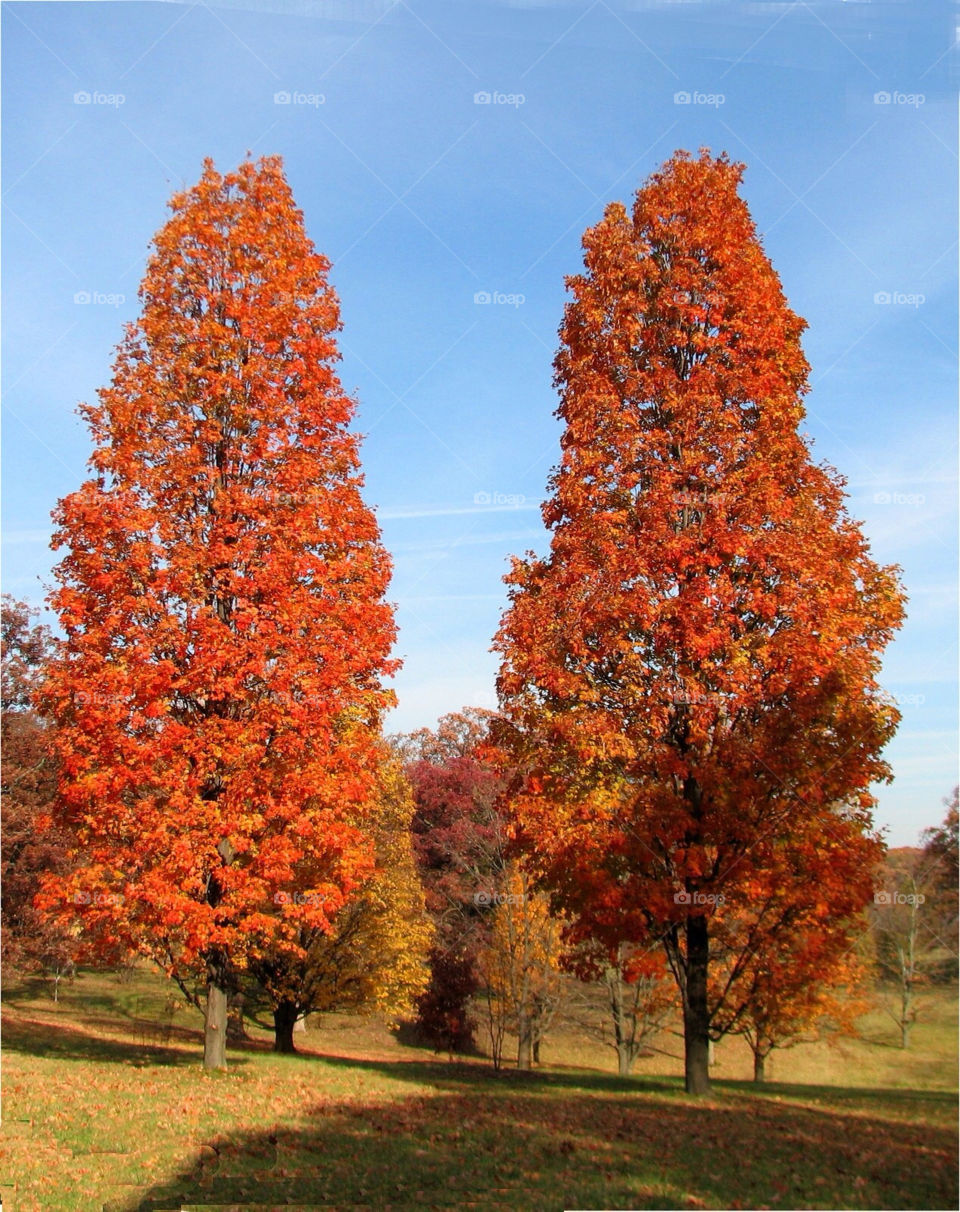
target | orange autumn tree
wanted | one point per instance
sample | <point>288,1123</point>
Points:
<point>218,691</point>
<point>692,668</point>
<point>812,984</point>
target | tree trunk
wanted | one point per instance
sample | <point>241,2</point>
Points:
<point>284,1020</point>
<point>906,1006</point>
<point>620,1032</point>
<point>215,1018</point>
<point>524,1043</point>
<point>759,1061</point>
<point>696,1018</point>
<point>536,1051</point>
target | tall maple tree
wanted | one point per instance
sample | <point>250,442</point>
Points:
<point>218,692</point>
<point>692,668</point>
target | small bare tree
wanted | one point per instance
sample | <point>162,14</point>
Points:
<point>625,998</point>
<point>913,940</point>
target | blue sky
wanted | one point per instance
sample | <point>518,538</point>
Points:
<point>425,196</point>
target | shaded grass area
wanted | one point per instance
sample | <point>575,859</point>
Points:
<point>94,1119</point>
<point>78,1043</point>
<point>505,1148</point>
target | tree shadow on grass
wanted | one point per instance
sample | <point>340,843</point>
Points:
<point>453,1075</point>
<point>507,1145</point>
<point>844,1097</point>
<point>70,1042</point>
<point>469,1071</point>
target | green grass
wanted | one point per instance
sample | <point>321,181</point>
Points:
<point>97,1116</point>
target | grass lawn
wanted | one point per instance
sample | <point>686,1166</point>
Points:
<point>98,1115</point>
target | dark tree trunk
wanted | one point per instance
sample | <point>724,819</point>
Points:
<point>284,1020</point>
<point>624,1060</point>
<point>215,1017</point>
<point>218,967</point>
<point>759,1063</point>
<point>696,1017</point>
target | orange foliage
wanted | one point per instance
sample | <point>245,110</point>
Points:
<point>691,671</point>
<point>218,693</point>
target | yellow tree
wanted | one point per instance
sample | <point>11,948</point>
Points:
<point>520,966</point>
<point>375,956</point>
